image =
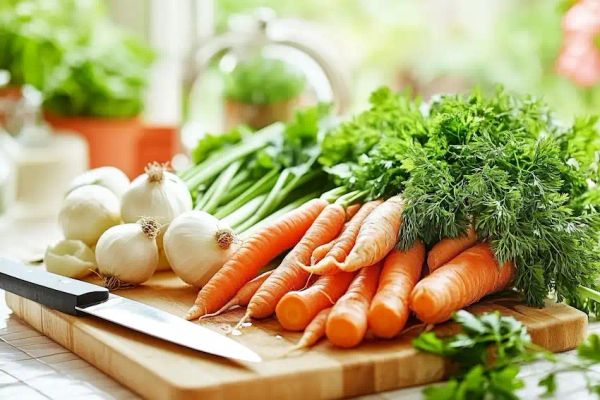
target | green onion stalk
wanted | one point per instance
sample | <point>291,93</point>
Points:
<point>224,185</point>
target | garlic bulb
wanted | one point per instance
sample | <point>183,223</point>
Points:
<point>111,178</point>
<point>71,258</point>
<point>156,193</point>
<point>163,263</point>
<point>127,255</point>
<point>197,245</point>
<point>87,212</point>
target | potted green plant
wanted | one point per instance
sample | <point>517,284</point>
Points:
<point>260,91</point>
<point>98,91</point>
<point>91,73</point>
<point>34,35</point>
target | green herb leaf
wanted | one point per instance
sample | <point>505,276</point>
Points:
<point>549,383</point>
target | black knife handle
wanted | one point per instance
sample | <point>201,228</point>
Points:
<point>55,291</point>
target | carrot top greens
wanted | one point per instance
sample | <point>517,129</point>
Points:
<point>503,164</point>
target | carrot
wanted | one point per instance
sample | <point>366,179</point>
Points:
<point>314,331</point>
<point>296,309</point>
<point>468,277</point>
<point>377,235</point>
<point>323,249</point>
<point>289,275</point>
<point>351,210</point>
<point>243,296</point>
<point>257,251</point>
<point>389,310</point>
<point>446,249</point>
<point>343,245</point>
<point>347,322</point>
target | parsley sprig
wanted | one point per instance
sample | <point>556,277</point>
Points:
<point>487,354</point>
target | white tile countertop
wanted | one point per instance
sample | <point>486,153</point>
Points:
<point>34,367</point>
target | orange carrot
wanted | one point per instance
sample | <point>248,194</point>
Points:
<point>296,309</point>
<point>347,322</point>
<point>377,236</point>
<point>446,249</point>
<point>351,210</point>
<point>468,277</point>
<point>343,245</point>
<point>389,310</point>
<point>314,331</point>
<point>243,296</point>
<point>289,275</point>
<point>256,252</point>
<point>323,249</point>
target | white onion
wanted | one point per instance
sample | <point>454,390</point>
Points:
<point>156,193</point>
<point>127,254</point>
<point>87,212</point>
<point>197,245</point>
<point>111,178</point>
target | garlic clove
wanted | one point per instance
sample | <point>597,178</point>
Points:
<point>163,262</point>
<point>71,258</point>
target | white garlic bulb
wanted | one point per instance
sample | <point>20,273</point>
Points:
<point>87,212</point>
<point>111,178</point>
<point>127,255</point>
<point>156,193</point>
<point>197,245</point>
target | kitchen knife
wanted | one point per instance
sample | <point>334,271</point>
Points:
<point>82,298</point>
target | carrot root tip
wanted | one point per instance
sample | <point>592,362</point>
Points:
<point>245,318</point>
<point>193,313</point>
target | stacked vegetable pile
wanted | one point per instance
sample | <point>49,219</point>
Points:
<point>500,194</point>
<point>490,192</point>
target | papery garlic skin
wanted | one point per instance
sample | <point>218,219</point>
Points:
<point>111,178</point>
<point>197,245</point>
<point>127,255</point>
<point>156,193</point>
<point>87,212</point>
<point>71,258</point>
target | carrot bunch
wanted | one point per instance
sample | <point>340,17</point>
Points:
<point>363,283</point>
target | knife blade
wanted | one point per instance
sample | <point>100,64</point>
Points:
<point>82,298</point>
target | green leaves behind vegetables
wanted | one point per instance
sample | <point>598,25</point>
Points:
<point>487,354</point>
<point>368,152</point>
<point>83,64</point>
<point>503,164</point>
<point>299,143</point>
<point>105,78</point>
<point>36,35</point>
<point>262,80</point>
<point>210,143</point>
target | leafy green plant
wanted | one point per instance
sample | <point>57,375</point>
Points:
<point>262,80</point>
<point>487,355</point>
<point>83,64</point>
<point>35,36</point>
<point>105,78</point>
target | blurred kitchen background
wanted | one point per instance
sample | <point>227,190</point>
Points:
<point>124,82</point>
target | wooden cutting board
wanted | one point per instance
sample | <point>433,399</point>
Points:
<point>159,370</point>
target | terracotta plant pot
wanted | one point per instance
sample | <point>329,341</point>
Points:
<point>9,96</point>
<point>258,115</point>
<point>157,143</point>
<point>111,141</point>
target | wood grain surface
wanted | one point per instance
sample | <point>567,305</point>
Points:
<point>157,370</point>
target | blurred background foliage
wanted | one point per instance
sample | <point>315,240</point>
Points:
<point>436,46</point>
